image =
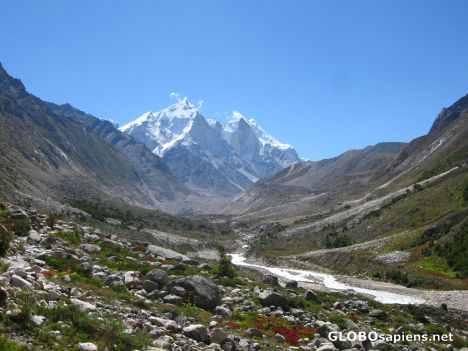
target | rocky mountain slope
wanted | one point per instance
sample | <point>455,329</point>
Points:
<point>207,156</point>
<point>318,186</point>
<point>303,187</point>
<point>62,153</point>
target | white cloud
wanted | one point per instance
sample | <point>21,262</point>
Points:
<point>175,96</point>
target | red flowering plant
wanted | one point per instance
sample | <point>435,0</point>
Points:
<point>272,324</point>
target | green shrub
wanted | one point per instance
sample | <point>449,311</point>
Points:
<point>7,345</point>
<point>465,195</point>
<point>334,240</point>
<point>21,227</point>
<point>224,267</point>
<point>5,239</point>
<point>50,220</point>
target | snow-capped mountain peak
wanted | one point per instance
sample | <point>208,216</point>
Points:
<point>207,155</point>
<point>263,137</point>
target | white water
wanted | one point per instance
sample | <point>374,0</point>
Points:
<point>328,281</point>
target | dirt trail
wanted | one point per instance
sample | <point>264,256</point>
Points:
<point>371,244</point>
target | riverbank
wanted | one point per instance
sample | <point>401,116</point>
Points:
<point>383,292</point>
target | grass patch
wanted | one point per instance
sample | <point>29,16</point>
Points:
<point>436,264</point>
<point>7,345</point>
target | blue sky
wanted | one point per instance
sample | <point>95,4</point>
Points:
<point>324,76</point>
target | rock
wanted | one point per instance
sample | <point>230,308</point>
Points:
<point>87,346</point>
<point>166,253</point>
<point>271,298</point>
<point>254,332</point>
<point>280,338</point>
<point>34,236</point>
<point>270,279</point>
<point>150,286</point>
<point>83,305</point>
<point>311,296</point>
<point>173,299</point>
<point>19,282</point>
<point>327,347</point>
<point>218,336</point>
<point>338,305</point>
<point>179,291</point>
<point>381,345</point>
<point>197,332</point>
<point>37,320</point>
<point>158,276</point>
<point>291,284</point>
<point>201,292</point>
<point>359,305</point>
<point>223,311</point>
<point>379,314</point>
<point>131,279</point>
<point>90,248</point>
<point>18,214</point>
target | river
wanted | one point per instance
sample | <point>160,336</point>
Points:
<point>328,281</point>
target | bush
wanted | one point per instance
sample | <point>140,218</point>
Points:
<point>21,227</point>
<point>7,345</point>
<point>337,240</point>
<point>50,220</point>
<point>5,239</point>
<point>224,267</point>
<point>465,195</point>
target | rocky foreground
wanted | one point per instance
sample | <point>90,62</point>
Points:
<point>69,285</point>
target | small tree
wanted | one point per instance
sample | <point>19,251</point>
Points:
<point>224,267</point>
<point>50,220</point>
<point>5,239</point>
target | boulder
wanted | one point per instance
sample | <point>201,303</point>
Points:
<point>166,253</point>
<point>272,298</point>
<point>131,279</point>
<point>173,299</point>
<point>87,346</point>
<point>83,305</point>
<point>19,282</point>
<point>90,248</point>
<point>379,314</point>
<point>270,279</point>
<point>291,284</point>
<point>18,214</point>
<point>34,236</point>
<point>197,332</point>
<point>150,286</point>
<point>218,336</point>
<point>159,277</point>
<point>311,296</point>
<point>201,292</point>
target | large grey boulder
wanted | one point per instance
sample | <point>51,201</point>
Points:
<point>158,276</point>
<point>83,305</point>
<point>311,296</point>
<point>272,298</point>
<point>201,292</point>
<point>270,279</point>
<point>19,282</point>
<point>90,248</point>
<point>166,253</point>
<point>197,332</point>
<point>87,346</point>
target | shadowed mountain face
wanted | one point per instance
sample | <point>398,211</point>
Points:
<point>317,186</point>
<point>315,183</point>
<point>68,155</point>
